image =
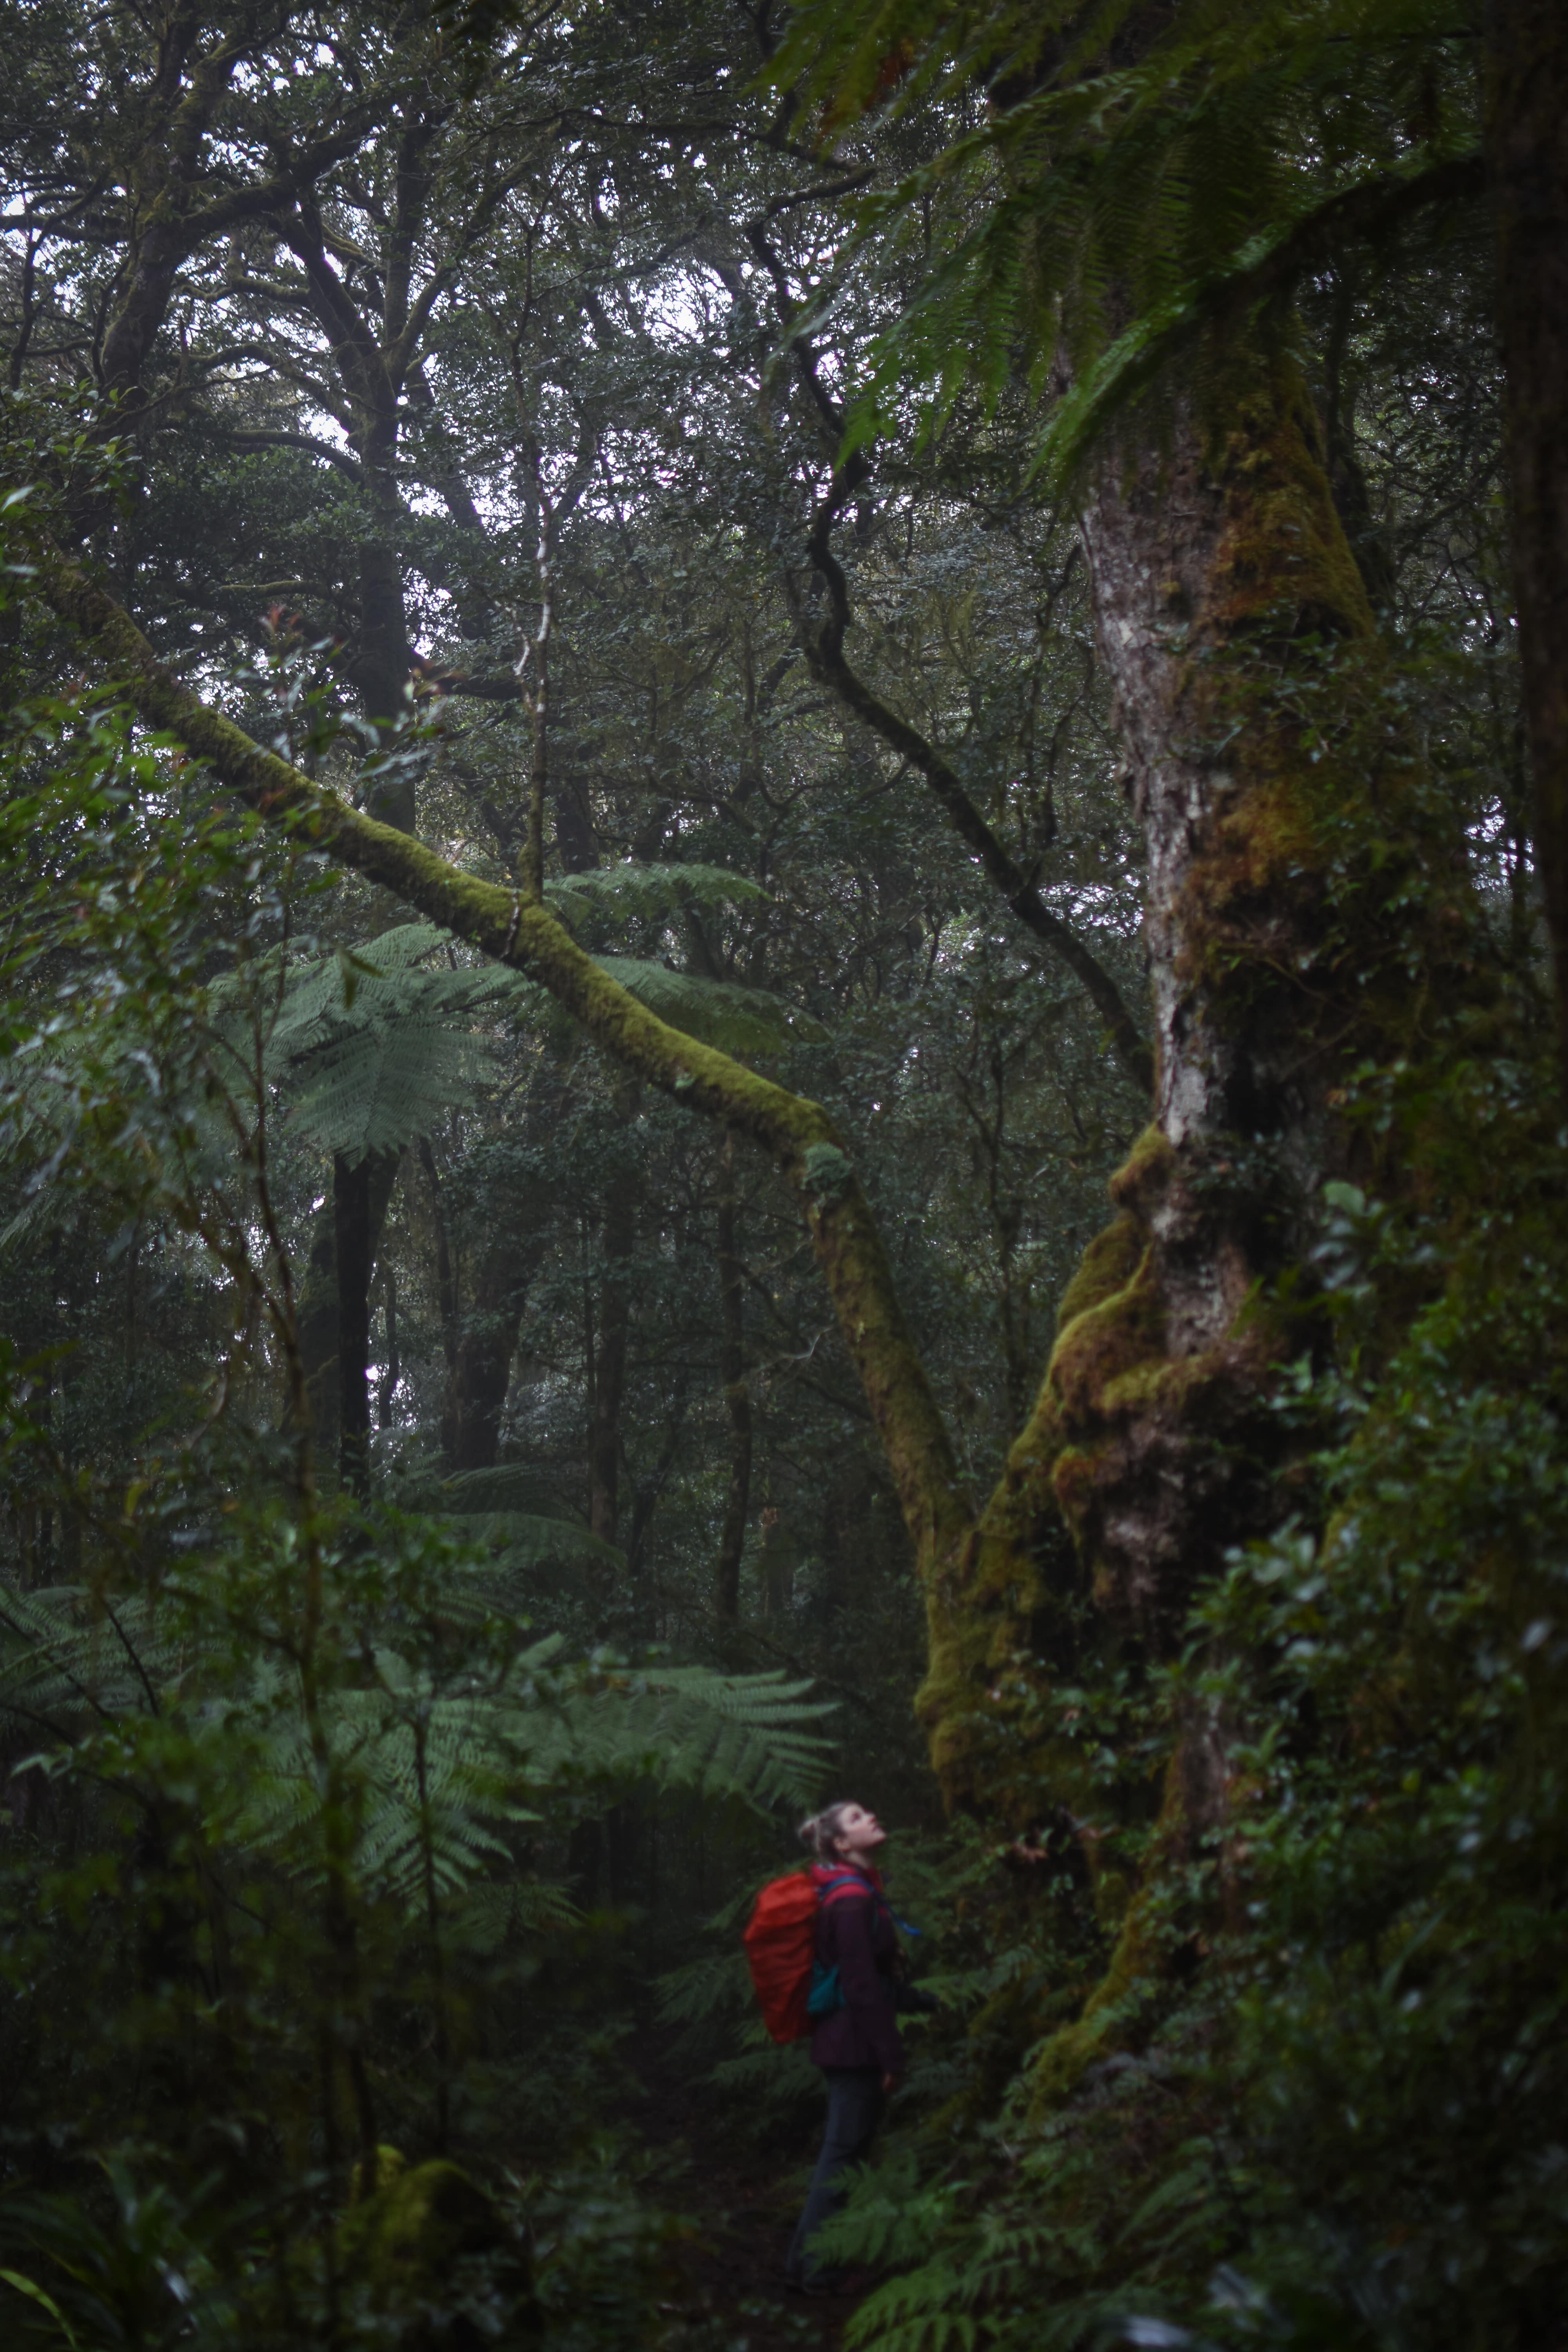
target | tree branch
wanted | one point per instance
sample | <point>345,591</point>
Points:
<point>526,936</point>
<point>824,647</point>
<point>260,438</point>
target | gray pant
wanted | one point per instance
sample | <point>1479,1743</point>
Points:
<point>854,2103</point>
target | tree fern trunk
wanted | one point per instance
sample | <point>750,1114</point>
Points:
<point>610,1360</point>
<point>737,1397</point>
<point>335,1310</point>
<point>480,1370</point>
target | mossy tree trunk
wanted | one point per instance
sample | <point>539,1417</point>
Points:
<point>1236,629</point>
<point>1226,593</point>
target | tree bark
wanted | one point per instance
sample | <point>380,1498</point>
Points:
<point>335,1309</point>
<point>1249,683</point>
<point>1527,156</point>
<point>480,1371</point>
<point>609,1374</point>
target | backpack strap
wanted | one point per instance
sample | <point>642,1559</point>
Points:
<point>848,1882</point>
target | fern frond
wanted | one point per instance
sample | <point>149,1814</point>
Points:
<point>645,891</point>
<point>69,1660</point>
<point>507,1487</point>
<point>719,1011</point>
<point>520,1540</point>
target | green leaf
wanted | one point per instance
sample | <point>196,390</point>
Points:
<point>28,2287</point>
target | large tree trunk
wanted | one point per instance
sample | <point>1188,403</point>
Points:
<point>1236,631</point>
<point>1527,155</point>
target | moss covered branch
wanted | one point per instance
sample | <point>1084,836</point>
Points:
<point>525,935</point>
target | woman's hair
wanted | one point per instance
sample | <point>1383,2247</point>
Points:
<point>821,1833</point>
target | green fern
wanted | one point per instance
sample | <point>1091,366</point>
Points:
<point>518,1541</point>
<point>719,1011</point>
<point>1142,189</point>
<point>505,1487</point>
<point>650,891</point>
<point>446,1770</point>
<point>374,1048</point>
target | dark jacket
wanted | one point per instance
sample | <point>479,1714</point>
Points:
<point>854,1935</point>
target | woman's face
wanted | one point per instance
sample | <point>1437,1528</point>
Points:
<point>859,1833</point>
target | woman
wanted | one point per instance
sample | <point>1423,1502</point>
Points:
<point>856,2044</point>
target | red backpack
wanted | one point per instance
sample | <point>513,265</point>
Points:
<point>781,1945</point>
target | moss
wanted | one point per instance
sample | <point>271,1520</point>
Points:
<point>1107,1264</point>
<point>1282,529</point>
<point>397,2249</point>
<point>1137,1967</point>
<point>1143,1175</point>
<point>1106,1343</point>
<point>795,1132</point>
<point>390,2165</point>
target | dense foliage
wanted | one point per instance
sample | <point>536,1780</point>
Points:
<point>461,1500</point>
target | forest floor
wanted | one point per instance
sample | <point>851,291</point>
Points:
<point>744,2200</point>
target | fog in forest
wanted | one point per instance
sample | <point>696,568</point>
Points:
<point>783,973</point>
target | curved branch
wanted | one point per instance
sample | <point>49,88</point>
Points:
<point>525,935</point>
<point>261,439</point>
<point>823,649</point>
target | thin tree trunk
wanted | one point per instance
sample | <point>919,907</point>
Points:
<point>386,1388</point>
<point>737,1396</point>
<point>362,1192</point>
<point>445,1276</point>
<point>614,1321</point>
<point>1527,155</point>
<point>335,1312</point>
<point>480,1366</point>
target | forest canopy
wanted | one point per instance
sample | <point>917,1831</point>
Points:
<point>786,1002</point>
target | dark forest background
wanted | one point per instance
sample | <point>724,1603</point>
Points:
<point>870,623</point>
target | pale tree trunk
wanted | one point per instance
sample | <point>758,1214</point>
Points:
<point>1232,621</point>
<point>1527,158</point>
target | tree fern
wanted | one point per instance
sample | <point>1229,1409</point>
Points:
<point>1125,190</point>
<point>645,891</point>
<point>445,1766</point>
<point>519,1540</point>
<point>376,1047</point>
<point>719,1011</point>
<point>504,1487</point>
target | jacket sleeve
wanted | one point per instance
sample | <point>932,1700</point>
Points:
<point>868,1993</point>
